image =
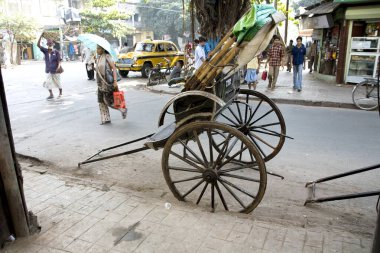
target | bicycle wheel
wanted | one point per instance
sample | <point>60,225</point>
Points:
<point>364,96</point>
<point>153,78</point>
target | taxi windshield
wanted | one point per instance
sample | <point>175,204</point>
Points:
<point>144,47</point>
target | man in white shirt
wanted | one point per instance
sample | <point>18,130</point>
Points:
<point>88,58</point>
<point>200,55</point>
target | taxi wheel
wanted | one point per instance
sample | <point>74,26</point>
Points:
<point>124,73</point>
<point>146,69</point>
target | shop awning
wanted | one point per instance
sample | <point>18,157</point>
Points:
<point>324,8</point>
<point>355,1</point>
<point>306,33</point>
<point>363,12</point>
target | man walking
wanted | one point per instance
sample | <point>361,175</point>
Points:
<point>200,55</point>
<point>289,56</point>
<point>312,55</point>
<point>274,58</point>
<point>298,60</point>
<point>88,58</point>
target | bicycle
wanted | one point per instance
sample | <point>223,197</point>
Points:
<point>364,94</point>
<point>156,76</point>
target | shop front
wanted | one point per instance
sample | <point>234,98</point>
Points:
<point>363,50</point>
<point>326,21</point>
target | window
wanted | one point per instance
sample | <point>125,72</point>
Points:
<point>170,47</point>
<point>160,48</point>
<point>144,47</point>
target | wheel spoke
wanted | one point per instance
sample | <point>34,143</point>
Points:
<point>193,188</point>
<point>246,111</point>
<point>266,114</point>
<point>240,177</point>
<point>241,155</point>
<point>221,152</point>
<point>186,161</point>
<point>221,196</point>
<point>187,179</point>
<point>257,145</point>
<point>183,169</point>
<point>268,132</point>
<point>254,112</point>
<point>233,114</point>
<point>212,197</point>
<point>201,195</point>
<point>240,116</point>
<point>238,188</point>
<point>200,147</point>
<point>192,152</point>
<point>260,139</point>
<point>210,146</point>
<point>231,158</point>
<point>230,149</point>
<point>248,166</point>
<point>234,123</point>
<point>267,125</point>
<point>233,194</point>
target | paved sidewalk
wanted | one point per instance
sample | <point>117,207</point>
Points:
<point>315,92</point>
<point>85,216</point>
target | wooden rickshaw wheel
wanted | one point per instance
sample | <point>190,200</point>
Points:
<point>205,175</point>
<point>258,118</point>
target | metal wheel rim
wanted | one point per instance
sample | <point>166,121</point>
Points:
<point>365,92</point>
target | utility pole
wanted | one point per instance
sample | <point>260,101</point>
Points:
<point>286,21</point>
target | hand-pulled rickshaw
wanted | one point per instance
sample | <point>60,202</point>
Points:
<point>215,136</point>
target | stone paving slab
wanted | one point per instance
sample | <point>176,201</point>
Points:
<point>80,217</point>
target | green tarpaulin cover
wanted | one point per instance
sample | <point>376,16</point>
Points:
<point>248,26</point>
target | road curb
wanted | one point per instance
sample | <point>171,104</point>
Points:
<point>303,102</point>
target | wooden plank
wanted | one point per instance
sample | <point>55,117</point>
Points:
<point>13,191</point>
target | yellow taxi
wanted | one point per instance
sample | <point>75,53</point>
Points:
<point>147,54</point>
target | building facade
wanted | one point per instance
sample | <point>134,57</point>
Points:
<point>348,39</point>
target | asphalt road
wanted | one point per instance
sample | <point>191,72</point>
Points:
<point>326,141</point>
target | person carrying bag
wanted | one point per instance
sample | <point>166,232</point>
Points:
<point>106,77</point>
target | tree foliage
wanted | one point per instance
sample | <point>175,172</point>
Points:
<point>164,18</point>
<point>103,18</point>
<point>20,28</point>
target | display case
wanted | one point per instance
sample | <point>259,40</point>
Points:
<point>364,58</point>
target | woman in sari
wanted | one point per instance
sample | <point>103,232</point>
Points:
<point>105,90</point>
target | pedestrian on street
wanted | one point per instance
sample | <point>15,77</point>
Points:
<point>275,55</point>
<point>89,59</point>
<point>71,51</point>
<point>252,71</point>
<point>289,56</point>
<point>105,90</point>
<point>312,55</point>
<point>52,66</point>
<point>176,72</point>
<point>298,61</point>
<point>125,49</point>
<point>207,49</point>
<point>200,55</point>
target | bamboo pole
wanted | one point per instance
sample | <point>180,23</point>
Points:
<point>204,68</point>
<point>8,172</point>
<point>219,68</point>
<point>208,66</point>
